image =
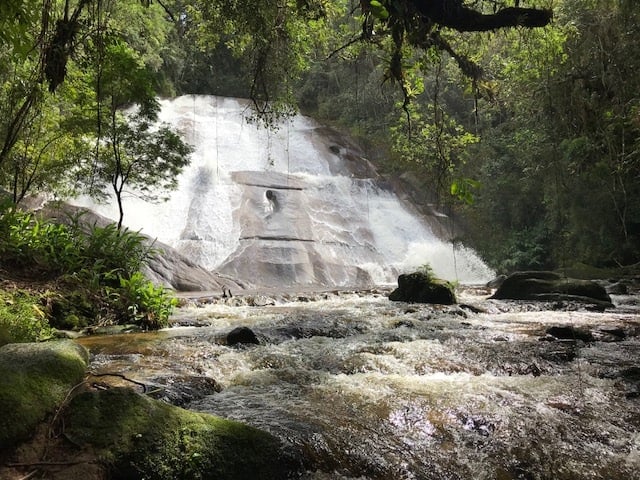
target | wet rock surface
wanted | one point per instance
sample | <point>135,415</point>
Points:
<point>550,286</point>
<point>567,332</point>
<point>180,390</point>
<point>242,336</point>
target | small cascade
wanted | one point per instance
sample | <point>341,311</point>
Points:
<point>298,206</point>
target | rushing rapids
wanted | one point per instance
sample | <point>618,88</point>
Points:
<point>364,388</point>
<point>298,206</point>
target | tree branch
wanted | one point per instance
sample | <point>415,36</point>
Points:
<point>453,14</point>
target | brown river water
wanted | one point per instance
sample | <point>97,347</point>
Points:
<point>365,388</point>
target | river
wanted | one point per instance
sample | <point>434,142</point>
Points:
<point>365,388</point>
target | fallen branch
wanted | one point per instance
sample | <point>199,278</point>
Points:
<point>30,475</point>
<point>119,375</point>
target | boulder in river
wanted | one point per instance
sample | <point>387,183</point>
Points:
<point>420,287</point>
<point>496,282</point>
<point>243,336</point>
<point>617,288</point>
<point>551,286</point>
<point>568,332</point>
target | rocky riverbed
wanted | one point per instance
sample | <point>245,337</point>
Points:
<point>362,387</point>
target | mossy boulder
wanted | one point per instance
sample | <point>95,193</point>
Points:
<point>551,286</point>
<point>139,437</point>
<point>35,378</point>
<point>420,287</point>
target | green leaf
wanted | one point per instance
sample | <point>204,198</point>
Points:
<point>378,10</point>
<point>462,189</point>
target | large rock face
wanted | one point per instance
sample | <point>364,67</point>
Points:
<point>551,286</point>
<point>35,378</point>
<point>296,207</point>
<point>418,287</point>
<point>173,270</point>
<point>281,242</point>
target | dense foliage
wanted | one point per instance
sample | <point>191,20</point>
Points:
<point>537,156</point>
<point>80,274</point>
<point>559,163</point>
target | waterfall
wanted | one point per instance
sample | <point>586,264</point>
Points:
<point>295,206</point>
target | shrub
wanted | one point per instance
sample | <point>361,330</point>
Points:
<point>427,271</point>
<point>111,251</point>
<point>147,304</point>
<point>99,268</point>
<point>29,242</point>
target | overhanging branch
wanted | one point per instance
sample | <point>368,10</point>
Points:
<point>453,14</point>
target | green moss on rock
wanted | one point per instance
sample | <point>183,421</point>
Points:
<point>139,437</point>
<point>22,318</point>
<point>34,380</point>
<point>421,287</point>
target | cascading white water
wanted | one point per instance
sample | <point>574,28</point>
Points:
<point>296,206</point>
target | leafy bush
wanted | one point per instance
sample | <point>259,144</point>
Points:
<point>99,267</point>
<point>28,241</point>
<point>147,304</point>
<point>111,251</point>
<point>427,271</point>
